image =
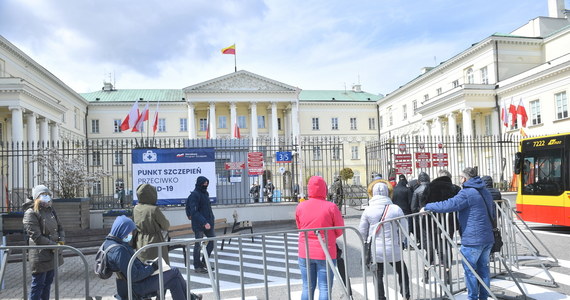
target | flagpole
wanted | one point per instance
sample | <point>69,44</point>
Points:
<point>235,60</point>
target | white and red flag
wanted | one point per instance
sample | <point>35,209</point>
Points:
<point>521,111</point>
<point>142,117</point>
<point>131,118</point>
<point>504,114</point>
<point>236,133</point>
<point>155,123</point>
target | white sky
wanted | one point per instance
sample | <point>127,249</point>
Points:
<point>311,44</point>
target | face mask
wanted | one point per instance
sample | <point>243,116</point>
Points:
<point>45,198</point>
<point>128,238</point>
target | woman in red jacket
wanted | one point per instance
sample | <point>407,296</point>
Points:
<point>317,212</point>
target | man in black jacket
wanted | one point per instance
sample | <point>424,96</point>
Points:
<point>440,189</point>
<point>199,210</point>
<point>402,195</point>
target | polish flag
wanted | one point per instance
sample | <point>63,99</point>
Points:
<point>142,117</point>
<point>132,117</point>
<point>521,111</point>
<point>513,112</point>
<point>504,114</point>
<point>237,134</point>
<point>155,123</point>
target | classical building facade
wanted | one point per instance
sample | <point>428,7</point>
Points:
<point>465,95</point>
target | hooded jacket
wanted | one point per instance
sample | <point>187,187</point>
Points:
<point>317,212</point>
<point>43,228</point>
<point>118,258</point>
<point>403,196</point>
<point>198,206</point>
<point>495,193</point>
<point>423,179</point>
<point>475,227</point>
<point>150,222</point>
<point>387,238</point>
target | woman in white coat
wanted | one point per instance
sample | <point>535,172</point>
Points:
<point>388,243</point>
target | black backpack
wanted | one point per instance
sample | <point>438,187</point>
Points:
<point>101,268</point>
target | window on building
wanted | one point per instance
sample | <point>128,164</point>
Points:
<point>242,122</point>
<point>315,123</point>
<point>94,126</point>
<point>336,153</point>
<point>469,76</point>
<point>353,124</point>
<point>356,178</point>
<point>222,122</point>
<point>372,123</point>
<point>455,83</point>
<point>117,125</point>
<point>354,152</point>
<point>415,106</point>
<point>439,91</point>
<point>279,124</point>
<point>183,124</point>
<point>334,123</point>
<point>405,111</point>
<point>561,105</point>
<point>484,76</point>
<point>203,124</point>
<point>260,122</point>
<point>76,118</point>
<point>97,188</point>
<point>488,129</point>
<point>96,158</point>
<point>390,119</point>
<point>426,97</point>
<point>118,157</point>
<point>317,155</point>
<point>380,122</point>
<point>535,112</point>
<point>161,125</point>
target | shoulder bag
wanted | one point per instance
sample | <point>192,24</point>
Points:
<point>368,244</point>
<point>498,244</point>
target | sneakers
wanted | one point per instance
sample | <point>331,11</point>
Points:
<point>201,270</point>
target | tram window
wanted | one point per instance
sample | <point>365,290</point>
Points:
<point>542,173</point>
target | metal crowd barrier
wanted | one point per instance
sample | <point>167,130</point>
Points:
<point>7,250</point>
<point>428,243</point>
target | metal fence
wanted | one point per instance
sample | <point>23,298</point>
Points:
<point>410,155</point>
<point>21,169</point>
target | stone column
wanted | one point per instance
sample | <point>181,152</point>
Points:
<point>495,126</point>
<point>233,119</point>
<point>44,130</point>
<point>16,180</point>
<point>438,128</point>
<point>212,120</point>
<point>467,122</point>
<point>192,133</point>
<point>295,119</point>
<point>274,129</point>
<point>451,124</point>
<point>54,132</point>
<point>31,127</point>
<point>427,128</point>
<point>253,115</point>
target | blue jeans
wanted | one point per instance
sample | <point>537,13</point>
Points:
<point>478,258</point>
<point>318,271</point>
<point>41,284</point>
<point>198,262</point>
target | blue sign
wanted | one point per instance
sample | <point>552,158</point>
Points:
<point>283,157</point>
<point>174,172</point>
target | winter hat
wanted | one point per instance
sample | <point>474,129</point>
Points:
<point>38,190</point>
<point>380,189</point>
<point>146,194</point>
<point>469,172</point>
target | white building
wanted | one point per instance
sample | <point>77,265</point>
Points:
<point>464,95</point>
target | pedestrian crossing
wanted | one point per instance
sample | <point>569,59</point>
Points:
<point>278,265</point>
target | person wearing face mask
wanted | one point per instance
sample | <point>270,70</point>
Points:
<point>199,210</point>
<point>144,283</point>
<point>42,228</point>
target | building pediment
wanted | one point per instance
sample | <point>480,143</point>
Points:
<point>240,82</point>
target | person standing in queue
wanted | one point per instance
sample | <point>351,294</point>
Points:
<point>199,211</point>
<point>42,226</point>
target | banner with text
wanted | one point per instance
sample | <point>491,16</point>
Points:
<point>174,172</point>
